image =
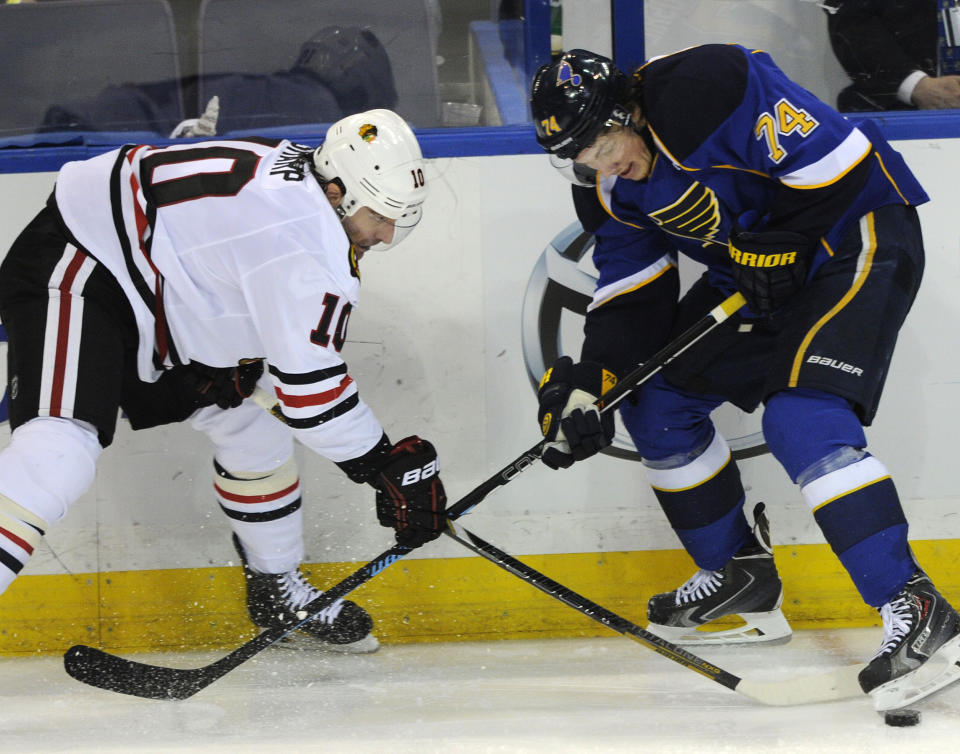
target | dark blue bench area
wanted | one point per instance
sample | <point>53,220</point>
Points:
<point>59,57</point>
<point>259,37</point>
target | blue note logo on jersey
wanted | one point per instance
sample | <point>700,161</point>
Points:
<point>565,75</point>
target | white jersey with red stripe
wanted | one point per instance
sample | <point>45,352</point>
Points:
<point>229,250</point>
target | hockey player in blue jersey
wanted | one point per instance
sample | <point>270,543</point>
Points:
<point>713,153</point>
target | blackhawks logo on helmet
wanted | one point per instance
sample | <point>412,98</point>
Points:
<point>368,132</point>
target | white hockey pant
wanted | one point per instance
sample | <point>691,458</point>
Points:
<point>49,463</point>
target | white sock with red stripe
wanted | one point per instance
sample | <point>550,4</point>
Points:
<point>20,532</point>
<point>264,512</point>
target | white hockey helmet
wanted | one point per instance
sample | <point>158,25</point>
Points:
<point>375,156</point>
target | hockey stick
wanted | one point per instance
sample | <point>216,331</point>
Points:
<point>107,671</point>
<point>830,686</point>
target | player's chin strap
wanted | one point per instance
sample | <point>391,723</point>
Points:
<point>98,668</point>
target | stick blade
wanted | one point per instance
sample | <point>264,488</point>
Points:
<point>829,686</point>
<point>95,667</point>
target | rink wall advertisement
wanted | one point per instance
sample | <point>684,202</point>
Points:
<point>452,331</point>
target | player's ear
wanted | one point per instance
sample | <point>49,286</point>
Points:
<point>334,194</point>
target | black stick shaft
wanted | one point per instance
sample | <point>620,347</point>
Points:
<point>98,668</point>
<point>591,609</point>
<point>670,351</point>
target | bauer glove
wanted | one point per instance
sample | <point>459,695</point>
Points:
<point>410,495</point>
<point>571,424</point>
<point>769,267</point>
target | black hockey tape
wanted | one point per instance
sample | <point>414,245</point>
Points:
<point>902,718</point>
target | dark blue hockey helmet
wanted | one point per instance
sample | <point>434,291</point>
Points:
<point>574,98</point>
<point>352,63</point>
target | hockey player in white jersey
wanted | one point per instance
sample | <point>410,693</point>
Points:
<point>161,281</point>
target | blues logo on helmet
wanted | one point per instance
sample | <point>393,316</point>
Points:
<point>565,74</point>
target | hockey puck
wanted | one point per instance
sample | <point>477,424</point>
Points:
<point>902,718</point>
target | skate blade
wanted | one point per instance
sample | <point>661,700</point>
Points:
<point>935,674</point>
<point>301,642</point>
<point>758,628</point>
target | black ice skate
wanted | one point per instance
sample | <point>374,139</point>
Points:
<point>276,599</point>
<point>747,586</point>
<point>920,653</point>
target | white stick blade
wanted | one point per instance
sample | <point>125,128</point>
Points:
<point>809,689</point>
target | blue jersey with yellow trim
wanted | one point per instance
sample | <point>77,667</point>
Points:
<point>735,141</point>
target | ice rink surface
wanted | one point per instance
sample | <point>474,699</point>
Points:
<point>581,695</point>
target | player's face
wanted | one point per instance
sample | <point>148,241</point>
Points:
<point>621,152</point>
<point>366,228</point>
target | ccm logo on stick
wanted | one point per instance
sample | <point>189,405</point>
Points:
<point>841,365</point>
<point>415,475</point>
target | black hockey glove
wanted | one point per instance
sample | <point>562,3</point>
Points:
<point>569,421</point>
<point>770,267</point>
<point>410,495</point>
<point>225,387</point>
